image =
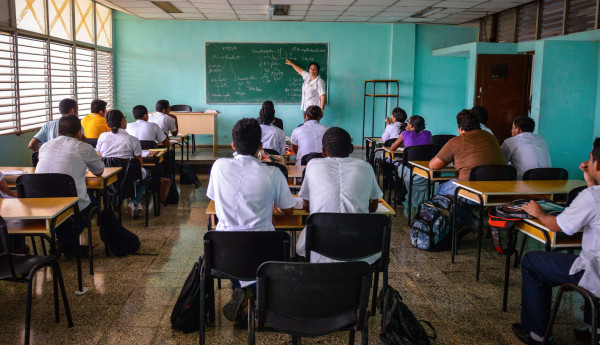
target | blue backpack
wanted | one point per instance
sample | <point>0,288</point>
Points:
<point>432,225</point>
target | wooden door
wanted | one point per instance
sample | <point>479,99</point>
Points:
<point>502,87</point>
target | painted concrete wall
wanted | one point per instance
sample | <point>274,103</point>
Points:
<point>14,151</point>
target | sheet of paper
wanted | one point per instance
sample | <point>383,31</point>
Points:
<point>12,172</point>
<point>381,209</point>
<point>145,153</point>
<point>298,205</point>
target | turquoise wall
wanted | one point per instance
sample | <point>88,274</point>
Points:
<point>165,59</point>
<point>14,151</point>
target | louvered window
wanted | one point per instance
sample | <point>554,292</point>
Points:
<point>61,75</point>
<point>506,26</point>
<point>86,79</point>
<point>580,15</point>
<point>8,97</point>
<point>552,18</point>
<point>527,17</point>
<point>105,77</point>
<point>34,100</point>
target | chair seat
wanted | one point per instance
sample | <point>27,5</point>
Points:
<point>23,263</point>
<point>293,326</point>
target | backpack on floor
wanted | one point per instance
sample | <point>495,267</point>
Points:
<point>173,195</point>
<point>187,175</point>
<point>399,326</point>
<point>185,316</point>
<point>117,240</point>
<point>430,230</point>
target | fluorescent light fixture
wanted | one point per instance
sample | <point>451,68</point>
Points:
<point>281,10</point>
<point>270,11</point>
<point>424,13</point>
<point>167,6</point>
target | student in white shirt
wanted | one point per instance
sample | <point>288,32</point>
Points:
<point>163,119</point>
<point>482,114</point>
<point>244,190</point>
<point>68,154</point>
<point>394,125</point>
<point>119,144</point>
<point>338,183</point>
<point>525,150</point>
<point>272,137</point>
<point>542,270</point>
<point>49,130</point>
<point>144,130</point>
<point>307,138</point>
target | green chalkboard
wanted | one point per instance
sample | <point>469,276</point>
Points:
<point>250,73</point>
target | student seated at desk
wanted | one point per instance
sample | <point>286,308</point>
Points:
<point>394,125</point>
<point>145,130</point>
<point>338,183</point>
<point>163,119</point>
<point>119,144</point>
<point>525,150</point>
<point>68,154</point>
<point>307,138</point>
<point>244,190</point>
<point>482,115</point>
<point>94,124</point>
<point>272,137</point>
<point>473,147</point>
<point>542,270</point>
<point>49,130</point>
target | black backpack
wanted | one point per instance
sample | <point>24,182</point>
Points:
<point>185,316</point>
<point>399,326</point>
<point>173,195</point>
<point>116,238</point>
<point>187,175</point>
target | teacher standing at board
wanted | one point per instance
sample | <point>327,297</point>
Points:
<point>313,88</point>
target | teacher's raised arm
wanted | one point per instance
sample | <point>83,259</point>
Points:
<point>313,87</point>
<point>296,67</point>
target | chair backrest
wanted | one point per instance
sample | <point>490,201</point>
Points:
<point>439,140</point>
<point>307,157</point>
<point>573,194</point>
<point>282,168</point>
<point>181,108</point>
<point>312,299</point>
<point>5,248</point>
<point>271,151</point>
<point>238,254</point>
<point>348,236</point>
<point>546,174</point>
<point>35,158</point>
<point>389,142</point>
<point>92,142</point>
<point>148,144</point>
<point>493,172</point>
<point>51,185</point>
<point>418,153</point>
<point>131,171</point>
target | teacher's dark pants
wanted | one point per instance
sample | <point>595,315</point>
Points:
<point>541,271</point>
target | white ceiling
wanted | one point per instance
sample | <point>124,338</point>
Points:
<point>371,11</point>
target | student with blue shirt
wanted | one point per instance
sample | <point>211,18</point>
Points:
<point>49,130</point>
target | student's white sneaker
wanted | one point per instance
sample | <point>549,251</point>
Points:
<point>130,208</point>
<point>139,211</point>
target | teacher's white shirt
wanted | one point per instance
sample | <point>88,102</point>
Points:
<point>312,90</point>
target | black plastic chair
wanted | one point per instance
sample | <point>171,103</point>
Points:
<point>282,168</point>
<point>546,174</point>
<point>573,194</point>
<point>379,161</point>
<point>21,268</point>
<point>307,157</point>
<point>593,302</point>
<point>309,300</point>
<point>35,158</point>
<point>271,152</point>
<point>236,255</point>
<point>181,108</point>
<point>53,185</point>
<point>413,153</point>
<point>92,142</point>
<point>148,144</point>
<point>350,237</point>
<point>440,140</point>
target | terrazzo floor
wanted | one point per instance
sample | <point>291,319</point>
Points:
<point>130,299</point>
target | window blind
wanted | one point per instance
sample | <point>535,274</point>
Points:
<point>8,99</point>
<point>552,18</point>
<point>580,15</point>
<point>506,26</point>
<point>33,82</point>
<point>526,22</point>
<point>105,77</point>
<point>61,75</point>
<point>86,79</point>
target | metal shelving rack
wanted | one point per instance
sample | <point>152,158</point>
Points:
<point>375,95</point>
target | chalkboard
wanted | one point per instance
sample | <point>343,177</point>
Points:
<point>250,73</point>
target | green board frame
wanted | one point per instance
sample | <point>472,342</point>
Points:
<point>253,72</point>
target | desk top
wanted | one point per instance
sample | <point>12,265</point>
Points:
<point>34,208</point>
<point>91,180</point>
<point>520,187</point>
<point>295,170</point>
<point>376,140</point>
<point>389,149</point>
<point>191,113</point>
<point>535,229</point>
<point>425,166</point>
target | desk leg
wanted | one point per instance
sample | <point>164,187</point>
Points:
<point>479,237</point>
<point>510,251</point>
<point>209,222</point>
<point>454,234</point>
<point>215,144</point>
<point>187,147</point>
<point>409,205</point>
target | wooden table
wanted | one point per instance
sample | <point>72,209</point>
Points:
<point>156,159</point>
<point>492,193</point>
<point>294,173</point>
<point>370,144</point>
<point>184,140</point>
<point>388,152</point>
<point>109,176</point>
<point>199,123</point>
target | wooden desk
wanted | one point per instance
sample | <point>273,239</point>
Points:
<point>294,173</point>
<point>109,176</point>
<point>157,159</point>
<point>551,240</point>
<point>492,193</point>
<point>388,152</point>
<point>370,144</point>
<point>181,140</point>
<point>199,123</point>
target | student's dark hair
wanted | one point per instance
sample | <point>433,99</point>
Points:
<point>399,114</point>
<point>246,136</point>
<point>161,105</point>
<point>418,122</point>
<point>313,112</point>
<point>69,125</point>
<point>524,123</point>
<point>316,65</point>
<point>267,113</point>
<point>113,120</point>
<point>337,142</point>
<point>596,150</point>
<point>139,111</point>
<point>481,113</point>
<point>97,106</point>
<point>66,105</point>
<point>467,120</point>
